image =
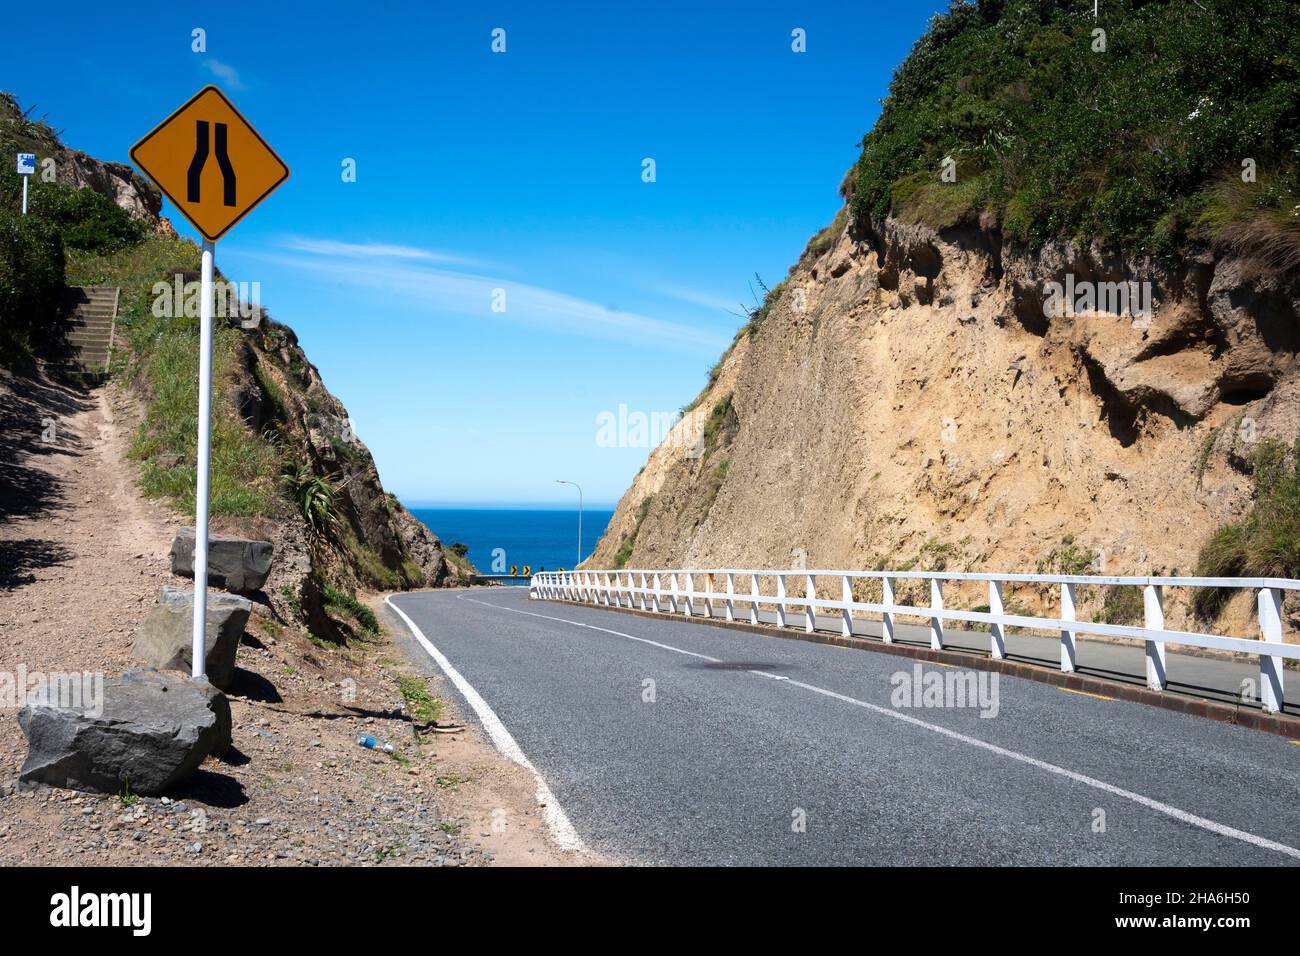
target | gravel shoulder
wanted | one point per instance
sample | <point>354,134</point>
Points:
<point>83,557</point>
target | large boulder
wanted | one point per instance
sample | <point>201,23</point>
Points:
<point>236,564</point>
<point>147,730</point>
<point>165,637</point>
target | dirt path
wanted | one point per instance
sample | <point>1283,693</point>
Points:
<point>82,556</point>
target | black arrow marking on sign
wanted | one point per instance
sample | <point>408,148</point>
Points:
<point>193,183</point>
<point>227,171</point>
<point>200,158</point>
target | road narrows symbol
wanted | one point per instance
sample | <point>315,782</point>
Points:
<point>177,155</point>
<point>194,177</point>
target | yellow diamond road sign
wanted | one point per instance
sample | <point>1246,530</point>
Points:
<point>210,162</point>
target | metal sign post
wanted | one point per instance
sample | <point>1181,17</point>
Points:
<point>26,167</point>
<point>214,167</point>
<point>561,481</point>
<point>199,634</point>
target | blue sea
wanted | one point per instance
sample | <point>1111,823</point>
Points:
<point>540,538</point>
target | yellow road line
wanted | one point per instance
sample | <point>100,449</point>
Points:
<point>1083,693</point>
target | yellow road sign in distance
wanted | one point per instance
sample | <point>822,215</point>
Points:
<point>210,162</point>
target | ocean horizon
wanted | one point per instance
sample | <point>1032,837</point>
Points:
<point>536,536</point>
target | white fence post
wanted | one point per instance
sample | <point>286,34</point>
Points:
<point>1270,667</point>
<point>1155,621</point>
<point>1069,642</point>
<point>708,595</point>
<point>731,596</point>
<point>936,622</point>
<point>658,593</point>
<point>810,612</point>
<point>887,598</point>
<point>846,619</point>
<point>780,600</point>
<point>689,606</point>
<point>674,604</point>
<point>998,642</point>
<point>753,601</point>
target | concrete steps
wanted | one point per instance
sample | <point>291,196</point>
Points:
<point>89,317</point>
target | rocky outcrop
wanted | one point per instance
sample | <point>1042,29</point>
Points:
<point>117,181</point>
<point>149,733</point>
<point>375,543</point>
<point>234,563</point>
<point>910,398</point>
<point>165,639</point>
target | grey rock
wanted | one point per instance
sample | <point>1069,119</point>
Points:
<point>150,731</point>
<point>236,564</point>
<point>164,638</point>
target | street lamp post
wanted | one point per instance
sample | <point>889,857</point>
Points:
<point>561,481</point>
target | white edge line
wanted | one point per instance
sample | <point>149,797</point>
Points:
<point>556,819</point>
<point>1163,808</point>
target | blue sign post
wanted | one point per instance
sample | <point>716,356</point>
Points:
<point>26,167</point>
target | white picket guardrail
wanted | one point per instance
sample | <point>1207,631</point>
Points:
<point>674,592</point>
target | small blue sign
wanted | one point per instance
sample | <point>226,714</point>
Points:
<point>26,164</point>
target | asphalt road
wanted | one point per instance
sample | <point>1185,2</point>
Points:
<point>747,749</point>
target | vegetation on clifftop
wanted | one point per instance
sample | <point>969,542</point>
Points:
<point>1058,138</point>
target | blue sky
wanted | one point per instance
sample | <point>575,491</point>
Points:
<point>519,170</point>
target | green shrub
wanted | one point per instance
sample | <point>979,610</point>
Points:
<point>1068,559</point>
<point>719,417</point>
<point>31,280</point>
<point>87,220</point>
<point>629,540</point>
<point>420,704</point>
<point>315,497</point>
<point>1266,542</point>
<point>344,603</point>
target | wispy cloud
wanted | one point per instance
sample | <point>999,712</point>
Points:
<point>439,281</point>
<point>223,72</point>
<point>372,250</point>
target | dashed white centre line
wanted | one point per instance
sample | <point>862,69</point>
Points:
<point>1156,805</point>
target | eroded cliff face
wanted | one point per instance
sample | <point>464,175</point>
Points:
<point>908,401</point>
